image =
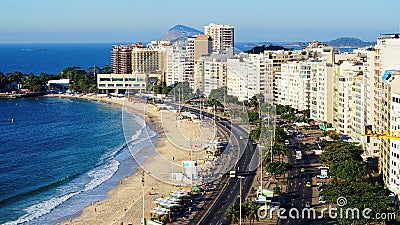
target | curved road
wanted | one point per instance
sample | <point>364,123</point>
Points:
<point>230,194</point>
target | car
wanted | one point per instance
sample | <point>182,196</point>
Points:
<point>321,185</point>
<point>321,199</point>
<point>300,135</point>
<point>307,205</point>
<point>302,170</point>
<point>241,137</point>
<point>308,184</point>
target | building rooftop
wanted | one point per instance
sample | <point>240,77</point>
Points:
<point>389,36</point>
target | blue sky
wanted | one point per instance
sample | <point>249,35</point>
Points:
<point>257,20</point>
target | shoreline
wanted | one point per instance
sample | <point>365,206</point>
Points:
<point>123,203</point>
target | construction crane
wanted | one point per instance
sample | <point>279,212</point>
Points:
<point>394,135</point>
<point>388,77</point>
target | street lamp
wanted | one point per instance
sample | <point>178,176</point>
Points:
<point>240,199</point>
<point>144,220</point>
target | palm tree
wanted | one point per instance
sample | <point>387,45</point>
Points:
<point>106,69</point>
<point>233,213</point>
<point>252,211</point>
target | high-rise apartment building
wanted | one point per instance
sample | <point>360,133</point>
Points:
<point>210,71</point>
<point>136,58</point>
<point>121,59</point>
<point>249,75</point>
<point>199,45</point>
<point>222,36</point>
<point>278,58</point>
<point>387,57</point>
<point>321,96</point>
<point>179,65</point>
<point>293,85</point>
<point>349,111</point>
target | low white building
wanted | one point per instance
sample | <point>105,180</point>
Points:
<point>121,83</point>
<point>59,85</point>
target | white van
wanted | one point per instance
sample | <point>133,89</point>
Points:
<point>287,142</point>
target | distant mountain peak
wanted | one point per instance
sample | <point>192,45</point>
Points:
<point>180,31</point>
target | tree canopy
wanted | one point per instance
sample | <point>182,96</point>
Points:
<point>351,170</point>
<point>340,152</point>
<point>221,94</point>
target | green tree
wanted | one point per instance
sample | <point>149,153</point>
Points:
<point>157,89</point>
<point>106,69</point>
<point>277,190</point>
<point>256,132</point>
<point>253,102</point>
<point>348,170</point>
<point>213,102</point>
<point>284,109</point>
<point>360,195</point>
<point>233,213</point>
<point>334,136</point>
<point>252,211</point>
<point>2,82</point>
<point>280,150</point>
<point>280,134</point>
<point>340,152</point>
<point>253,116</point>
<point>278,168</point>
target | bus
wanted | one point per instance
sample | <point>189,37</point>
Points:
<point>299,155</point>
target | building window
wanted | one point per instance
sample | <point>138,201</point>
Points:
<point>375,144</point>
<point>105,79</point>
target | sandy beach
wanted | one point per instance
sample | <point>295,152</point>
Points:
<point>124,203</point>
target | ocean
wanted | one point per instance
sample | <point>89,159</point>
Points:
<point>59,154</point>
<point>48,58</point>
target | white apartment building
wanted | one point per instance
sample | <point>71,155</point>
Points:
<point>121,83</point>
<point>321,96</point>
<point>349,99</point>
<point>248,75</point>
<point>370,145</point>
<point>387,57</point>
<point>394,180</point>
<point>179,66</point>
<point>210,71</point>
<point>293,85</point>
<point>222,36</point>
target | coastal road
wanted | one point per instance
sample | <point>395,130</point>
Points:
<point>230,194</point>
